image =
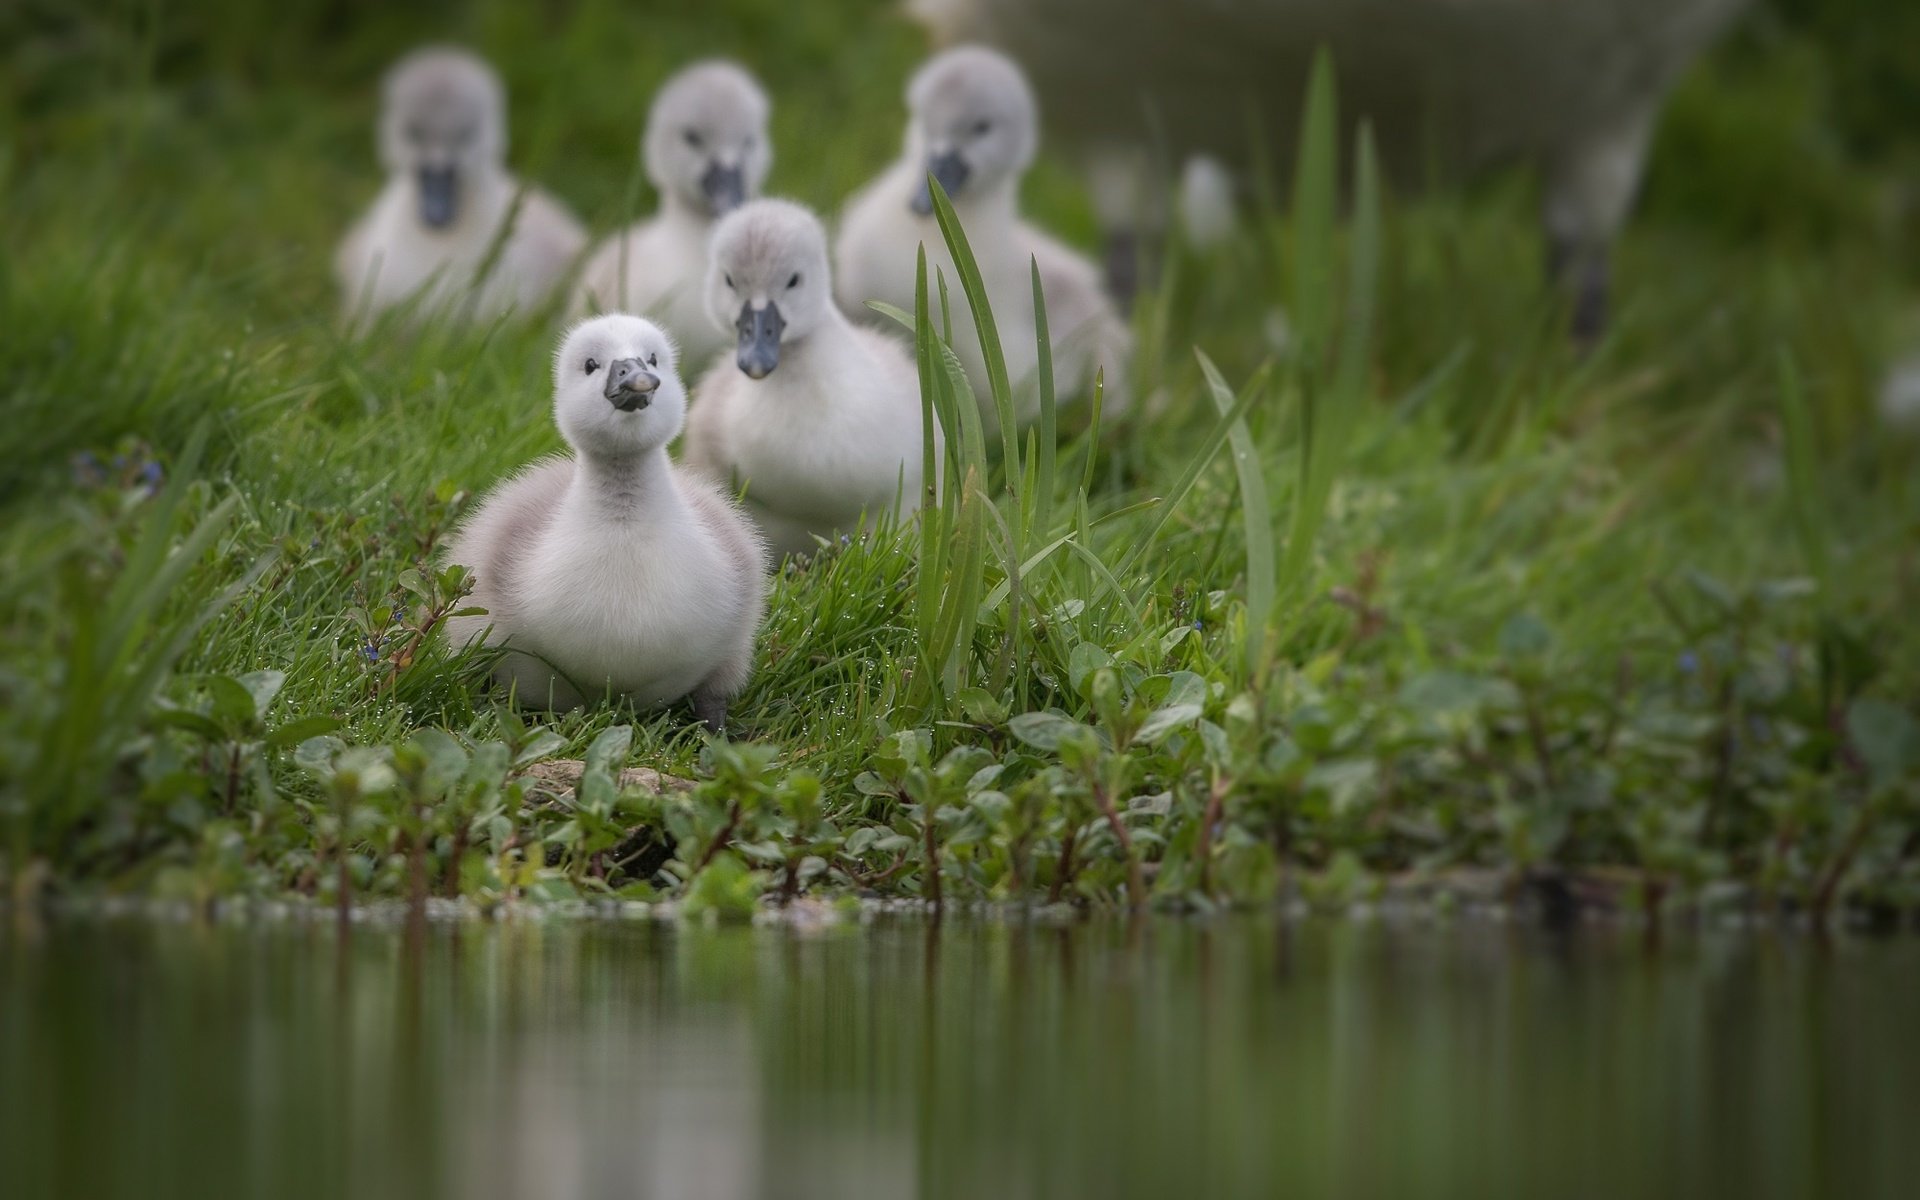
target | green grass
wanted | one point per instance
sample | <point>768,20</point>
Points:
<point>1421,589</point>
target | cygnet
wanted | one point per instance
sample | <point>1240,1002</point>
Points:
<point>818,421</point>
<point>973,126</point>
<point>612,571</point>
<point>706,152</point>
<point>452,229</point>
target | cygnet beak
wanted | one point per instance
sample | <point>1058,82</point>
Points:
<point>760,330</point>
<point>950,171</point>
<point>724,187</point>
<point>436,196</point>
<point>630,385</point>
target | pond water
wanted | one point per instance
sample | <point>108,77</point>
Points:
<point>1241,1057</point>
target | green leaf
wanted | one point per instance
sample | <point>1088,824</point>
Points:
<point>263,686</point>
<point>544,744</point>
<point>233,704</point>
<point>187,720</point>
<point>1524,636</point>
<point>1165,720</point>
<point>1083,661</point>
<point>608,752</point>
<point>1885,738</point>
<point>316,755</point>
<point>1441,692</point>
<point>295,732</point>
<point>1045,730</point>
<point>980,706</point>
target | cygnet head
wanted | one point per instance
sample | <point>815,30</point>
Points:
<point>706,139</point>
<point>767,279</point>
<point>442,122</point>
<point>616,387</point>
<point>973,122</point>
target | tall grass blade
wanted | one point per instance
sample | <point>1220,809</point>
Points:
<point>975,288</point>
<point>1315,198</point>
<point>1216,438</point>
<point>1042,491</point>
<point>1256,515</point>
<point>1803,482</point>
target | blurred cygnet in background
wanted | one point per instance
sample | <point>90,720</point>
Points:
<point>973,126</point>
<point>452,227</point>
<point>706,152</point>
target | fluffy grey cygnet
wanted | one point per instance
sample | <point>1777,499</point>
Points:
<point>449,200</point>
<point>818,420</point>
<point>974,126</point>
<point>706,152</point>
<point>613,571</point>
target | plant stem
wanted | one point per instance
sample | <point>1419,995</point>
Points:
<point>720,840</point>
<point>1063,870</point>
<point>1216,797</point>
<point>1830,880</point>
<point>932,857</point>
<point>1136,886</point>
<point>450,877</point>
<point>417,867</point>
<point>1537,733</point>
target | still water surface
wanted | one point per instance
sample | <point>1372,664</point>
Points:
<point>1244,1057</point>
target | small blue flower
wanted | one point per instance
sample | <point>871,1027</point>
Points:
<point>1199,626</point>
<point>371,650</point>
<point>1689,662</point>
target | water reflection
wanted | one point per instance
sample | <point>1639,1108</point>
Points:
<point>1240,1057</point>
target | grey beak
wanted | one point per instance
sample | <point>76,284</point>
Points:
<point>724,187</point>
<point>760,330</point>
<point>437,196</point>
<point>630,385</point>
<point>950,171</point>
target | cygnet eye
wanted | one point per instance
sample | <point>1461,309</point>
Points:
<point>653,360</point>
<point>692,138</point>
<point>728,276</point>
<point>795,281</point>
<point>592,366</point>
<point>982,128</point>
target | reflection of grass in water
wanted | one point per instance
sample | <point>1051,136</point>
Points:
<point>1525,608</point>
<point>1230,1058</point>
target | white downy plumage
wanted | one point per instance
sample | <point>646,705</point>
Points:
<point>706,151</point>
<point>973,126</point>
<point>613,571</point>
<point>818,420</point>
<point>443,216</point>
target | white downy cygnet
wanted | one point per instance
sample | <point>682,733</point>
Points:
<point>974,126</point>
<point>706,152</point>
<point>448,198</point>
<point>613,571</point>
<point>817,420</point>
